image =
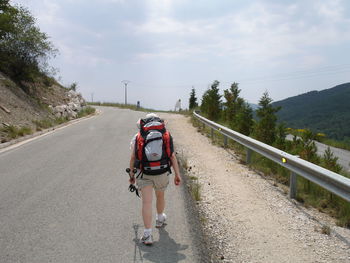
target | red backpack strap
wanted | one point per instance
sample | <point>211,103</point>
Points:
<point>166,140</point>
<point>158,127</point>
<point>140,143</point>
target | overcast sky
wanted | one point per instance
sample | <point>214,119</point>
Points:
<point>164,47</point>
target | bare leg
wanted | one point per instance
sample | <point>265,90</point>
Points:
<point>160,204</point>
<point>147,193</point>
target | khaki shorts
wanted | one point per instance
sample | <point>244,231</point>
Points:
<point>159,182</point>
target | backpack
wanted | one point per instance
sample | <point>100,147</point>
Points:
<point>152,147</point>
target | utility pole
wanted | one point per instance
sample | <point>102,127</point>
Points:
<point>92,97</point>
<point>126,82</point>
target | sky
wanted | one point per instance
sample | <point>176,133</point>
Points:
<point>166,47</point>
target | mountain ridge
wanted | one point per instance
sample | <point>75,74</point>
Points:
<point>325,111</point>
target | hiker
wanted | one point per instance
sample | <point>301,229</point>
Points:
<point>152,153</point>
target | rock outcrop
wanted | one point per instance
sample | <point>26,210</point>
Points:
<point>70,109</point>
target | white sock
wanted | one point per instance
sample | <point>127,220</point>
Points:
<point>147,231</point>
<point>161,216</point>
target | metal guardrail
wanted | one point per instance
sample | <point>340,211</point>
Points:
<point>331,181</point>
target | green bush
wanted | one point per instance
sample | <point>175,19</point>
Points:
<point>24,49</point>
<point>43,124</point>
<point>86,111</point>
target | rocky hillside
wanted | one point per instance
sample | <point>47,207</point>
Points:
<point>39,104</point>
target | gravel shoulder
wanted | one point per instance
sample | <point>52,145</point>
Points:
<point>247,218</point>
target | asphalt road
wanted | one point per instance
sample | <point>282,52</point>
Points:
<point>64,198</point>
<point>343,155</point>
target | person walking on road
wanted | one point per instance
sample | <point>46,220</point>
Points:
<point>152,154</point>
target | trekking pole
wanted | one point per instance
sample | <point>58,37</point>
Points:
<point>132,188</point>
<point>128,170</point>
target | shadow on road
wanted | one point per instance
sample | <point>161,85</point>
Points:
<point>164,250</point>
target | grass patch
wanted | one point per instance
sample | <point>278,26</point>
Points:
<point>195,189</point>
<point>86,111</point>
<point>12,132</point>
<point>192,182</point>
<point>43,124</point>
<point>48,123</point>
<point>8,83</point>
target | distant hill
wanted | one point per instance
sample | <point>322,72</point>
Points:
<point>326,111</point>
<point>253,106</point>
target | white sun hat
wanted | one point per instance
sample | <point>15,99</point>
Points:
<point>152,115</point>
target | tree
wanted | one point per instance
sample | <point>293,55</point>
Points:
<point>244,119</point>
<point>74,86</point>
<point>211,102</point>
<point>308,150</point>
<point>280,141</point>
<point>265,128</point>
<point>330,161</point>
<point>24,49</point>
<point>7,18</point>
<point>232,104</point>
<point>193,99</point>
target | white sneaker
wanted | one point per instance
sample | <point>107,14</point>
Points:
<point>161,223</point>
<point>147,239</point>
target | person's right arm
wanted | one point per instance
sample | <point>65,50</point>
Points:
<point>131,166</point>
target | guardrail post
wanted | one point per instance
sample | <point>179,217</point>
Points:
<point>293,185</point>
<point>225,141</point>
<point>212,133</point>
<point>203,126</point>
<point>248,155</point>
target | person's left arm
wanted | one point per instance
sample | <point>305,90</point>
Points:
<point>174,163</point>
<point>177,178</point>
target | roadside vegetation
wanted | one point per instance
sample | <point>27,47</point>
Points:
<point>192,182</point>
<point>86,111</point>
<point>24,54</point>
<point>324,111</point>
<point>48,123</point>
<point>128,106</point>
<point>24,49</point>
<point>13,132</point>
<point>337,144</point>
<point>234,112</point>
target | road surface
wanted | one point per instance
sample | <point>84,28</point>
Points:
<point>343,155</point>
<point>64,198</point>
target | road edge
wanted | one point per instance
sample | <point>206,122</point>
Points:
<point>201,241</point>
<point>27,138</point>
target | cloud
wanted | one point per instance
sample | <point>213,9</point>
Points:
<point>257,32</point>
<point>330,9</point>
<point>49,12</point>
<point>75,42</point>
<point>82,55</point>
